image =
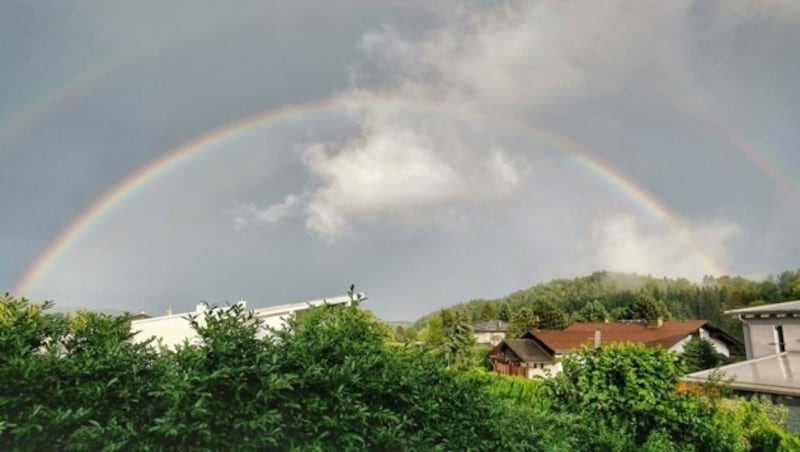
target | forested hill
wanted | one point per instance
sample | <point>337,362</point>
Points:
<point>613,295</point>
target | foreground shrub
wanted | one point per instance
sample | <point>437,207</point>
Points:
<point>329,381</point>
<point>332,380</point>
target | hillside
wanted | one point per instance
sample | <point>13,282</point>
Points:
<point>617,292</point>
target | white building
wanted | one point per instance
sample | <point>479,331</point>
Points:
<point>174,329</point>
<point>770,329</point>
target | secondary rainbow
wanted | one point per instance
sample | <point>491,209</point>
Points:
<point>196,149</point>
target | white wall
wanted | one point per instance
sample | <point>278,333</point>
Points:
<point>761,335</point>
<point>719,346</point>
<point>489,337</point>
<point>547,370</point>
<point>174,329</point>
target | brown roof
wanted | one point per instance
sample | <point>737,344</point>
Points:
<point>670,333</point>
<point>525,349</point>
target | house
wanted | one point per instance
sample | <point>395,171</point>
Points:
<point>521,357</point>
<point>173,329</point>
<point>772,369</point>
<point>770,329</point>
<point>542,350</point>
<point>489,332</point>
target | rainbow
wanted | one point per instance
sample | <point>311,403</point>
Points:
<point>757,158</point>
<point>197,149</point>
<point>82,81</point>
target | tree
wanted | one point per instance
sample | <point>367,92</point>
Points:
<point>504,313</point>
<point>488,312</point>
<point>648,308</point>
<point>631,389</point>
<point>548,316</point>
<point>451,331</point>
<point>700,354</point>
<point>521,322</point>
<point>593,311</point>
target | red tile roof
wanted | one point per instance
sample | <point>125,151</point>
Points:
<point>670,333</point>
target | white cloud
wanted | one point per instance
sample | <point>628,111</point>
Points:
<point>741,10</point>
<point>246,214</point>
<point>512,59</point>
<point>626,244</point>
<point>533,53</point>
<point>394,170</point>
<point>397,169</point>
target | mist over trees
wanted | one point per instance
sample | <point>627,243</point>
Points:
<point>608,295</point>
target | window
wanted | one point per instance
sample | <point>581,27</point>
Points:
<point>779,341</point>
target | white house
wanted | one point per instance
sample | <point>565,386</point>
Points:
<point>539,352</point>
<point>173,329</point>
<point>770,329</point>
<point>489,332</point>
<point>772,341</point>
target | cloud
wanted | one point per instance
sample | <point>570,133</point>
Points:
<point>530,54</point>
<point>734,11</point>
<point>624,243</point>
<point>399,170</point>
<point>516,59</point>
<point>246,214</point>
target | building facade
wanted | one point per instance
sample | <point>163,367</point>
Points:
<point>770,329</point>
<point>172,330</point>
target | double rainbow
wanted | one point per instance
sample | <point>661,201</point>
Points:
<point>115,198</point>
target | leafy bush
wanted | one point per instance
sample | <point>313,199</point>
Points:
<point>333,380</point>
<point>631,392</point>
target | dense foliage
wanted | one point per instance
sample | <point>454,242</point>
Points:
<point>699,354</point>
<point>334,380</point>
<point>604,295</point>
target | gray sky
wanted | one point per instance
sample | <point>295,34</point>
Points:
<point>428,154</point>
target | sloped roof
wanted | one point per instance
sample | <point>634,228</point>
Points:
<point>526,349</point>
<point>774,374</point>
<point>787,307</point>
<point>582,333</point>
<point>489,326</point>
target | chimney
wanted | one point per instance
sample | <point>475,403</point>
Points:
<point>597,338</point>
<point>655,323</point>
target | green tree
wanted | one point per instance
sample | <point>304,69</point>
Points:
<point>548,316</point>
<point>488,312</point>
<point>631,390</point>
<point>648,308</point>
<point>700,354</point>
<point>593,311</point>
<point>521,322</point>
<point>504,312</point>
<point>451,331</point>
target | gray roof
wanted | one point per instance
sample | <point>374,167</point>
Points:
<point>489,326</point>
<point>528,351</point>
<point>774,374</point>
<point>788,307</point>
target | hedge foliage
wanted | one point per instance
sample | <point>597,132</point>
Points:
<point>332,381</point>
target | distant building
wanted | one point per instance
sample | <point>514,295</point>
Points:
<point>770,329</point>
<point>539,352</point>
<point>174,329</point>
<point>772,343</point>
<point>489,332</point>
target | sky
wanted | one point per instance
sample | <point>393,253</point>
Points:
<point>160,154</point>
